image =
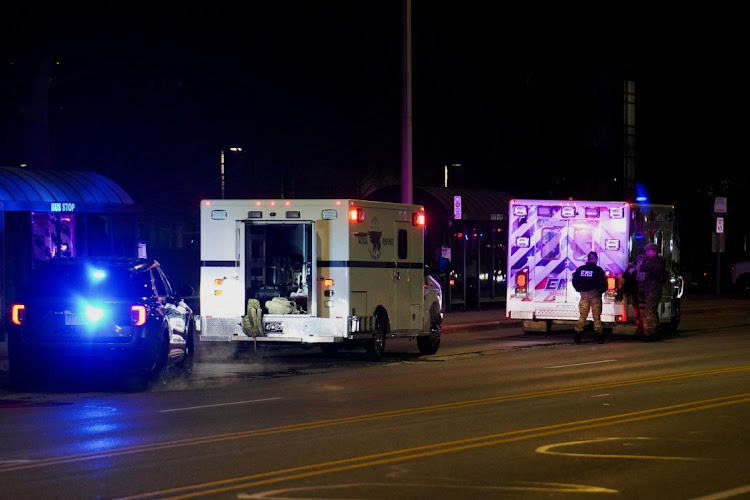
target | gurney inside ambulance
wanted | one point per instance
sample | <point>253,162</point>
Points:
<point>278,266</point>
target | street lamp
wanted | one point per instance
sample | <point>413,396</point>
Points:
<point>234,150</point>
<point>446,171</point>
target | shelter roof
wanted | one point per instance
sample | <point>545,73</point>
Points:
<point>49,190</point>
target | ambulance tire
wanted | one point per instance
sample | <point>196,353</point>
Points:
<point>674,321</point>
<point>376,345</point>
<point>329,349</point>
<point>429,344</point>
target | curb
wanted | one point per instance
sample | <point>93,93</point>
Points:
<point>479,324</point>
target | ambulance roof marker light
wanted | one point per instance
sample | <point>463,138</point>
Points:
<point>617,212</point>
<point>544,211</point>
<point>520,210</point>
<point>568,211</point>
<point>591,212</point>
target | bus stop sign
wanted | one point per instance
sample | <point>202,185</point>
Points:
<point>720,205</point>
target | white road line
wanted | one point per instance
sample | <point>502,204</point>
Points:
<point>219,404</point>
<point>726,494</point>
<point>547,449</point>
<point>582,364</point>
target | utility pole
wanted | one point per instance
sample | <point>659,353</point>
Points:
<point>223,183</point>
<point>406,150</point>
<point>222,174</point>
<point>719,209</point>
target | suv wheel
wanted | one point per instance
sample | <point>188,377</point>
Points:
<point>188,361</point>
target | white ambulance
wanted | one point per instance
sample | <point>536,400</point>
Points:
<point>338,273</point>
<point>549,239</point>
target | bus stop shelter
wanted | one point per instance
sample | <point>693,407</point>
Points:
<point>46,214</point>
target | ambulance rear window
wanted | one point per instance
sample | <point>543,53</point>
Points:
<point>583,239</point>
<point>550,243</point>
<point>402,244</point>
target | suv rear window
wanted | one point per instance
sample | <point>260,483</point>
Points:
<point>65,280</point>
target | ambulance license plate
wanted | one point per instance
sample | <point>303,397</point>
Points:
<point>274,327</point>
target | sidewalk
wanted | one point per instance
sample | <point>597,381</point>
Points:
<point>495,317</point>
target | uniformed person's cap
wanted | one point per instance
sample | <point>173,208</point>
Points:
<point>651,246</point>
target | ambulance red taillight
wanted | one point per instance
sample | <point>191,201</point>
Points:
<point>18,314</point>
<point>328,292</point>
<point>522,283</point>
<point>611,284</point>
<point>356,214</point>
<point>418,219</point>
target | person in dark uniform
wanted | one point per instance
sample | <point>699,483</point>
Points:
<point>591,282</point>
<point>652,276</point>
<point>629,291</point>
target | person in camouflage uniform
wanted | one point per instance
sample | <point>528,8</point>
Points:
<point>628,291</point>
<point>652,276</point>
<point>591,282</point>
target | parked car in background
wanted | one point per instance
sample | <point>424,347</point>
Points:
<point>90,315</point>
<point>741,276</point>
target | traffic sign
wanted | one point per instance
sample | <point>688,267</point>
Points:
<point>720,205</point>
<point>720,225</point>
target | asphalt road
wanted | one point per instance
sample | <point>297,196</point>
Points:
<point>495,414</point>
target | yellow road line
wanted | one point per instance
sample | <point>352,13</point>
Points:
<point>15,466</point>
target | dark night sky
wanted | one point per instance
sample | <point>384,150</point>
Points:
<point>153,91</point>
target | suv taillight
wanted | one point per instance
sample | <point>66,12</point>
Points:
<point>18,314</point>
<point>138,315</point>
